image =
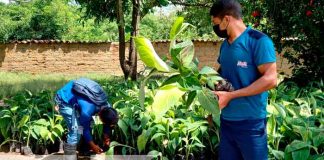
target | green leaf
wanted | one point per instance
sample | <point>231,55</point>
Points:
<point>301,154</point>
<point>186,55</point>
<point>191,97</point>
<point>145,119</point>
<point>199,145</point>
<point>192,82</point>
<point>42,122</point>
<point>316,157</point>
<point>203,129</point>
<point>208,71</point>
<point>5,113</point>
<point>33,134</point>
<point>110,151</point>
<point>177,49</point>
<point>278,154</point>
<point>216,119</point>
<point>23,121</point>
<point>172,79</point>
<point>296,145</point>
<point>318,140</point>
<point>157,135</point>
<point>280,109</point>
<point>4,122</point>
<point>141,95</point>
<point>214,78</point>
<point>14,109</point>
<point>208,101</point>
<point>59,127</point>
<point>44,133</point>
<point>148,55</point>
<point>55,135</point>
<point>176,28</point>
<point>159,127</point>
<point>123,126</point>
<point>141,141</point>
<point>211,84</point>
<point>57,132</point>
<point>127,111</point>
<point>112,145</point>
<point>303,131</point>
<point>153,154</point>
<point>5,133</point>
<point>165,98</point>
<point>51,137</point>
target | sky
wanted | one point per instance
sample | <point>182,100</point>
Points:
<point>5,1</point>
<point>166,10</point>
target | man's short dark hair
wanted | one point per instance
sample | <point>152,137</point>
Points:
<point>109,116</point>
<point>226,7</point>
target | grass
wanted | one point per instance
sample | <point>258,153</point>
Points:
<point>12,83</point>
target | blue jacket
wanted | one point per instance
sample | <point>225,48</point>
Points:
<point>86,109</point>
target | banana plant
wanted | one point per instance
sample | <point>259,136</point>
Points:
<point>46,131</point>
<point>295,121</point>
<point>185,83</point>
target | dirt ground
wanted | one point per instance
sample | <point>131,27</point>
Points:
<point>59,156</point>
<point>55,156</point>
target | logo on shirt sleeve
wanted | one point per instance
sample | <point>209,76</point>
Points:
<point>242,64</point>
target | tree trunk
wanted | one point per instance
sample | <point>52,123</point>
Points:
<point>134,33</point>
<point>129,64</point>
<point>121,33</point>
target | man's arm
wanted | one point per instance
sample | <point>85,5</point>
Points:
<point>87,109</point>
<point>267,81</point>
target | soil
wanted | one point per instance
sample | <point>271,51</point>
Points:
<point>53,156</point>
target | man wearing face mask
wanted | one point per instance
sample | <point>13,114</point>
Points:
<point>247,59</point>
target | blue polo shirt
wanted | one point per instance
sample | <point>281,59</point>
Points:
<point>239,62</point>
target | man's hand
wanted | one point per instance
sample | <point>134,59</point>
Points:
<point>106,140</point>
<point>56,108</point>
<point>223,98</point>
<point>95,148</point>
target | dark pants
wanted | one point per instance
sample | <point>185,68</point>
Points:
<point>245,139</point>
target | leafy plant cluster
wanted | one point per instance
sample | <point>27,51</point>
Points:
<point>179,133</point>
<point>295,121</point>
<point>29,120</point>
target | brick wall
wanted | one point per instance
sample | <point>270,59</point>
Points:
<point>76,58</point>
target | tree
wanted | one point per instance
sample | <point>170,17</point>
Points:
<point>115,10</point>
<point>304,22</point>
<point>34,20</point>
<point>51,19</point>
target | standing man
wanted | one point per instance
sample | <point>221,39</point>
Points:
<point>247,59</point>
